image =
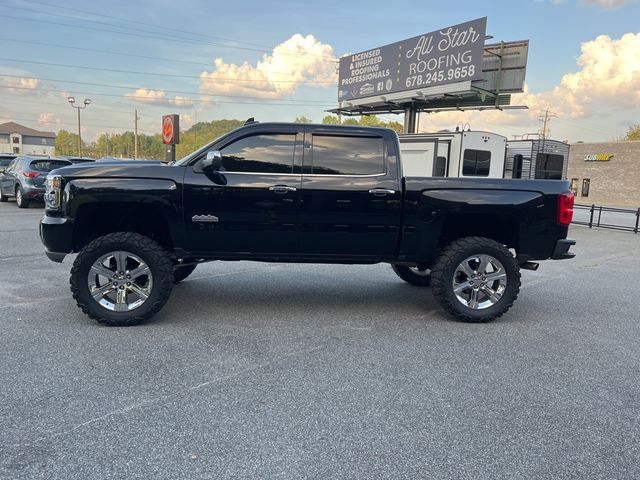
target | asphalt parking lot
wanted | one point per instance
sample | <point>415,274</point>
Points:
<point>319,371</point>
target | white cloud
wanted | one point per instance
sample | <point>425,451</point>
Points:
<point>48,118</point>
<point>609,76</point>
<point>607,4</point>
<point>299,59</point>
<point>607,81</point>
<point>20,84</point>
<point>145,95</point>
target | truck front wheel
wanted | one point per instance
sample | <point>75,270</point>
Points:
<point>122,279</point>
<point>420,277</point>
<point>475,279</point>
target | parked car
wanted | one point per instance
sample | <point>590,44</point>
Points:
<point>24,178</point>
<point>75,160</point>
<point>298,193</point>
<point>132,161</point>
<point>5,159</point>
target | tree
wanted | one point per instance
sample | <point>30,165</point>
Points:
<point>370,121</point>
<point>633,133</point>
<point>67,143</point>
<point>331,120</point>
<point>303,119</point>
<point>397,126</point>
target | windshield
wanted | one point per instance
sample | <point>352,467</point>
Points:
<point>189,157</point>
<point>48,165</point>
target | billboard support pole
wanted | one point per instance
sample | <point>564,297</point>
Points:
<point>410,118</point>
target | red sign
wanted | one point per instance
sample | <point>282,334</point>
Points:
<point>170,129</point>
<point>167,129</point>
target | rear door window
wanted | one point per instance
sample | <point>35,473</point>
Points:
<point>346,155</point>
<point>48,165</point>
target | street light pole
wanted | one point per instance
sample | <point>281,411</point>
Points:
<point>84,105</point>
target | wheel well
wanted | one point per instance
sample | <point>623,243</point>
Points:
<point>499,228</point>
<point>93,221</point>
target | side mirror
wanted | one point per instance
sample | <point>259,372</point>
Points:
<point>213,160</point>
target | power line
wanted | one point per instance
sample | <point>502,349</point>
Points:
<point>151,35</point>
<point>172,75</point>
<point>117,25</point>
<point>60,122</point>
<point>168,100</point>
<point>108,85</point>
<point>163,28</point>
<point>138,33</point>
<point>110,52</point>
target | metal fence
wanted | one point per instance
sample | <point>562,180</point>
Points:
<point>625,219</point>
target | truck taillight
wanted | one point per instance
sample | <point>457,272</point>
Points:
<point>565,208</point>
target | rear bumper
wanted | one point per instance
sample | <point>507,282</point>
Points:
<point>33,193</point>
<point>56,235</point>
<point>561,252</point>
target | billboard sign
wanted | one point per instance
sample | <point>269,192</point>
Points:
<point>451,55</point>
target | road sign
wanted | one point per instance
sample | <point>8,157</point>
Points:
<point>171,129</point>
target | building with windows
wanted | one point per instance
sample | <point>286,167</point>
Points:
<point>605,173</point>
<point>21,140</point>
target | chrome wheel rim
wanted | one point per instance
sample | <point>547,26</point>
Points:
<point>479,281</point>
<point>120,281</point>
<point>19,196</point>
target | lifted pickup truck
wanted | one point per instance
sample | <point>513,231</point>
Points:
<point>298,193</point>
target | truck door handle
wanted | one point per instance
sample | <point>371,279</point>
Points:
<point>282,189</point>
<point>381,192</point>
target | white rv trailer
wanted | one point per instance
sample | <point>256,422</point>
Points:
<point>453,154</point>
<point>537,158</point>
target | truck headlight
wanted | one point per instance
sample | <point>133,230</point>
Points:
<point>53,195</point>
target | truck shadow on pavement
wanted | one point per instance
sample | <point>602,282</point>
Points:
<point>274,293</point>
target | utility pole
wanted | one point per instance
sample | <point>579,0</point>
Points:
<point>545,122</point>
<point>135,135</point>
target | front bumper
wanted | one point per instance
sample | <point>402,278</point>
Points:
<point>56,234</point>
<point>561,252</point>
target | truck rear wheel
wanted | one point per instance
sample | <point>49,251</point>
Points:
<point>420,277</point>
<point>122,279</point>
<point>475,279</point>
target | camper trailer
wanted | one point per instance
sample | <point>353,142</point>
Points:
<point>453,154</point>
<point>537,158</point>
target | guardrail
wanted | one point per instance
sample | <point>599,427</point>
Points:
<point>625,219</point>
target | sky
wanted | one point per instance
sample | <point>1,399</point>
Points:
<point>276,60</point>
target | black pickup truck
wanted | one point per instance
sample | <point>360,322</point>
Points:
<point>276,192</point>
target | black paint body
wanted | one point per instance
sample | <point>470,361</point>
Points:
<point>308,217</point>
